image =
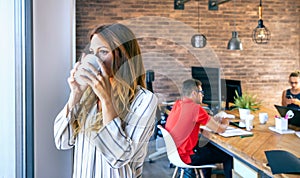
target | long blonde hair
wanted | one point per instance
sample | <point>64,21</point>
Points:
<point>127,70</point>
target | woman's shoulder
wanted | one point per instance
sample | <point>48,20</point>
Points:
<point>142,90</point>
<point>144,94</point>
<point>289,92</point>
<point>144,101</point>
<point>286,92</point>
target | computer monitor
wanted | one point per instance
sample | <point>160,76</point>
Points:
<point>228,88</point>
<point>211,85</point>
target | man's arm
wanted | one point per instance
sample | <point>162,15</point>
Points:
<point>217,126</point>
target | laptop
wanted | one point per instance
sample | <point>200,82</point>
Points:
<point>295,119</point>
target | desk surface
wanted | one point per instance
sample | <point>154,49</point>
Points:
<point>251,149</point>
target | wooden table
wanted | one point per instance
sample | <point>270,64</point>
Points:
<point>250,150</point>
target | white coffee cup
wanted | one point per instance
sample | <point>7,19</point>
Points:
<point>91,59</point>
<point>249,122</point>
<point>263,117</point>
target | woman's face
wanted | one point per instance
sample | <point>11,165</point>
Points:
<point>101,49</point>
<point>295,82</point>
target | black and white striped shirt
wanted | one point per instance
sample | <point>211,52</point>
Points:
<point>112,152</point>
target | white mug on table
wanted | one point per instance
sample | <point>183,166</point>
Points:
<point>263,117</point>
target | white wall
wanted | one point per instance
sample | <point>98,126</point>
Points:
<point>53,45</point>
<point>7,91</point>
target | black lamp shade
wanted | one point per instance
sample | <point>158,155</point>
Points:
<point>235,43</point>
<point>261,35</point>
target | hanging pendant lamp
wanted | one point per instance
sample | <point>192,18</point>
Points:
<point>198,40</point>
<point>234,43</point>
<point>261,35</point>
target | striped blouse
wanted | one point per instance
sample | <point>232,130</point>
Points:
<point>114,151</point>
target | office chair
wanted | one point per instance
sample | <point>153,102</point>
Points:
<point>175,159</point>
<point>149,79</point>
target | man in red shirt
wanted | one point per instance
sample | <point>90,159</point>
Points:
<point>184,122</point>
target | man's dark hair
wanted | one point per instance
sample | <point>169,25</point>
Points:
<point>190,85</point>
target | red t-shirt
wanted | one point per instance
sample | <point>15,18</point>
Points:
<point>183,123</point>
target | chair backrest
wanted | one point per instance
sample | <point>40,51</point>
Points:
<point>172,152</point>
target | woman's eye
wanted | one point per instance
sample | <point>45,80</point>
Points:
<point>103,52</point>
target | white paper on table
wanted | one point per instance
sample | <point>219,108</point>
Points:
<point>230,131</point>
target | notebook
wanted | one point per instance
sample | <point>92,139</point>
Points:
<point>231,132</point>
<point>295,119</point>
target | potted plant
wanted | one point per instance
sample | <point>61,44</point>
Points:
<point>245,103</point>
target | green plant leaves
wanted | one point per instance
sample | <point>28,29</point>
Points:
<point>246,101</point>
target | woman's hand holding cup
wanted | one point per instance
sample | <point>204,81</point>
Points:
<point>88,62</point>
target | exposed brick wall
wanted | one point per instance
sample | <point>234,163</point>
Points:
<point>164,35</point>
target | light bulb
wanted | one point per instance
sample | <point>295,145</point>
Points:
<point>261,33</point>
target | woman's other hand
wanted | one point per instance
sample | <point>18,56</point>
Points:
<point>99,80</point>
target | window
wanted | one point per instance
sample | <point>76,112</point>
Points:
<point>15,17</point>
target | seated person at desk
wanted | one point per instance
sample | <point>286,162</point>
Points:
<point>184,122</point>
<point>291,97</point>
